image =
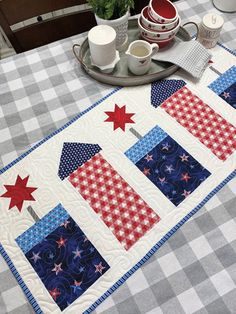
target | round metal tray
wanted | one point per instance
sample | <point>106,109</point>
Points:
<point>121,76</point>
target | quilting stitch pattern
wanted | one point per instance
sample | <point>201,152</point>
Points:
<point>203,122</point>
<point>66,262</point>
<point>123,211</point>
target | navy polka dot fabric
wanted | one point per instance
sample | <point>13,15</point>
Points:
<point>161,90</point>
<point>75,155</point>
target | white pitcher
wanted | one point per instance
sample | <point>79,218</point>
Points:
<point>139,56</point>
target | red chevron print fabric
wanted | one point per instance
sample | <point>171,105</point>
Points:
<point>123,211</point>
<point>203,122</point>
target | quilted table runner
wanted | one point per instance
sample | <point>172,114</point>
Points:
<point>88,205</point>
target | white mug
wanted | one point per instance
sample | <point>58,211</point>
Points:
<point>102,45</point>
<point>139,56</point>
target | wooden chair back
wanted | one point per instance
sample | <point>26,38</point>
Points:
<point>43,30</point>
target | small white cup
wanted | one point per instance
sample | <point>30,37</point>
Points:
<point>139,56</point>
<point>102,44</point>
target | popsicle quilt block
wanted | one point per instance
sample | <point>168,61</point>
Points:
<point>225,86</point>
<point>203,122</point>
<point>62,256</point>
<point>123,211</point>
<point>167,165</point>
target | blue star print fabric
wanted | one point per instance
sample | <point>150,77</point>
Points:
<point>170,168</point>
<point>66,262</point>
<point>229,95</point>
<point>75,155</point>
<point>225,86</point>
<point>161,90</point>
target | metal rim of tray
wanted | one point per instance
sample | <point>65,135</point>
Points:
<point>128,80</point>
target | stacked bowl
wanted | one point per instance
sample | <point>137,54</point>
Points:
<point>159,22</point>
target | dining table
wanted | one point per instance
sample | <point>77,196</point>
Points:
<point>195,270</point>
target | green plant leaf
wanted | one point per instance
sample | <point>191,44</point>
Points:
<point>110,9</point>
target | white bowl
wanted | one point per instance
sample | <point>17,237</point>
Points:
<point>158,35</point>
<point>162,11</point>
<point>152,26</point>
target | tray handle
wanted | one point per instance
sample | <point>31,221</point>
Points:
<point>195,24</point>
<point>74,49</point>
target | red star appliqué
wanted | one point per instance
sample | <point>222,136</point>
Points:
<point>119,117</point>
<point>19,193</point>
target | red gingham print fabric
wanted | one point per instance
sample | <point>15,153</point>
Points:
<point>203,122</point>
<point>110,196</point>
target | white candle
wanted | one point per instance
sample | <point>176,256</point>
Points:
<point>213,21</point>
<point>209,30</point>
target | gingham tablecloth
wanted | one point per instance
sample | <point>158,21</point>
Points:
<point>195,271</point>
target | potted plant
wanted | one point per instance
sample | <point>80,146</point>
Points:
<point>114,13</point>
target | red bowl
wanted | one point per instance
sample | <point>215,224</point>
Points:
<point>161,43</point>
<point>158,35</point>
<point>153,26</point>
<point>150,18</point>
<point>162,11</point>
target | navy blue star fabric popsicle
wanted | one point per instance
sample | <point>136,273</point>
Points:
<point>175,172</point>
<point>167,165</point>
<point>65,260</point>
